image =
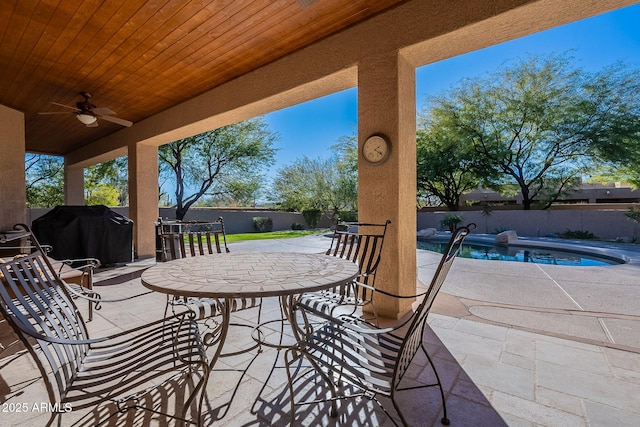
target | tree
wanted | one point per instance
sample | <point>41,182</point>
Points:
<point>101,194</point>
<point>214,161</point>
<point>243,192</point>
<point>446,169</point>
<point>346,186</point>
<point>44,180</point>
<point>329,185</point>
<point>539,122</point>
<point>616,139</point>
<point>107,183</point>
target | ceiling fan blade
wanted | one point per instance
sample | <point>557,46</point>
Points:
<point>112,119</point>
<point>65,106</point>
<point>92,125</point>
<point>55,112</point>
<point>102,111</point>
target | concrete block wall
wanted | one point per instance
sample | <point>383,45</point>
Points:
<point>604,224</point>
<point>235,221</point>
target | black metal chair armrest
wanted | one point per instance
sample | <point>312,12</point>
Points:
<point>96,299</point>
<point>89,263</point>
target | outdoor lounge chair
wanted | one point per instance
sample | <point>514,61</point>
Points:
<point>187,239</point>
<point>90,380</point>
<point>77,274</point>
<point>371,360</point>
<point>362,244</point>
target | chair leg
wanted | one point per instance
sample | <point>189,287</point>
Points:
<point>445,419</point>
<point>90,287</point>
<point>327,379</point>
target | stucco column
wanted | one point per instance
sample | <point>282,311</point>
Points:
<point>143,197</point>
<point>73,184</point>
<point>13,193</point>
<point>387,105</point>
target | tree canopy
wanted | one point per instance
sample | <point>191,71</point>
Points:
<point>44,180</point>
<point>107,183</point>
<point>446,168</point>
<point>104,183</point>
<point>540,123</point>
<point>330,185</point>
<point>218,162</point>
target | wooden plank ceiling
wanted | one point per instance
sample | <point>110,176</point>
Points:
<point>140,57</point>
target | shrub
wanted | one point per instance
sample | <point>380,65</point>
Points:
<point>297,226</point>
<point>577,234</point>
<point>262,223</point>
<point>634,213</point>
<point>348,216</point>
<point>451,221</point>
<point>312,216</point>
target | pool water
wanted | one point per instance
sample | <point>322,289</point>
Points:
<point>522,254</point>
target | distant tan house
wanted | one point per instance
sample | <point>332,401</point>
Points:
<point>588,193</point>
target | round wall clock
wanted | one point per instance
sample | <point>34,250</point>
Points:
<point>376,149</point>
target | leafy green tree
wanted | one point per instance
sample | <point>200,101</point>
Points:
<point>540,122</point>
<point>245,192</point>
<point>620,163</point>
<point>102,194</point>
<point>242,192</point>
<point>44,180</point>
<point>616,141</point>
<point>329,185</point>
<point>301,185</point>
<point>346,160</point>
<point>107,183</point>
<point>214,161</point>
<point>446,168</point>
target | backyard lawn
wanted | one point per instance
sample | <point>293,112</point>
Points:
<point>271,235</point>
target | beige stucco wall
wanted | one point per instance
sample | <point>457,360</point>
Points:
<point>73,184</point>
<point>12,180</point>
<point>387,105</point>
<point>143,197</point>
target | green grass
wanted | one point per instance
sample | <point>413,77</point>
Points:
<point>270,235</point>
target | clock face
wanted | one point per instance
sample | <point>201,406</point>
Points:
<point>375,149</point>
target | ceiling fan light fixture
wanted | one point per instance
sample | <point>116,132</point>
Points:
<point>87,119</point>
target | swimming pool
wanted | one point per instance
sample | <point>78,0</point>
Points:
<point>536,255</point>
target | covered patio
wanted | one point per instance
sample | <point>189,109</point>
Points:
<point>176,70</point>
<point>534,373</point>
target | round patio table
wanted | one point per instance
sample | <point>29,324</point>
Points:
<point>248,275</point>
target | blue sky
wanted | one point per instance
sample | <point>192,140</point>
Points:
<point>313,127</point>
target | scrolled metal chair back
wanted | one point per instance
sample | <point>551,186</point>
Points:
<point>193,239</point>
<point>413,337</point>
<point>37,307</point>
<point>361,243</point>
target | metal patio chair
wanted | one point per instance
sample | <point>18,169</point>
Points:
<point>90,380</point>
<point>371,359</point>
<point>77,274</point>
<point>361,243</point>
<point>186,239</point>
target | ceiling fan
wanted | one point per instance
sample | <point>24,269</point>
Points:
<point>88,114</point>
